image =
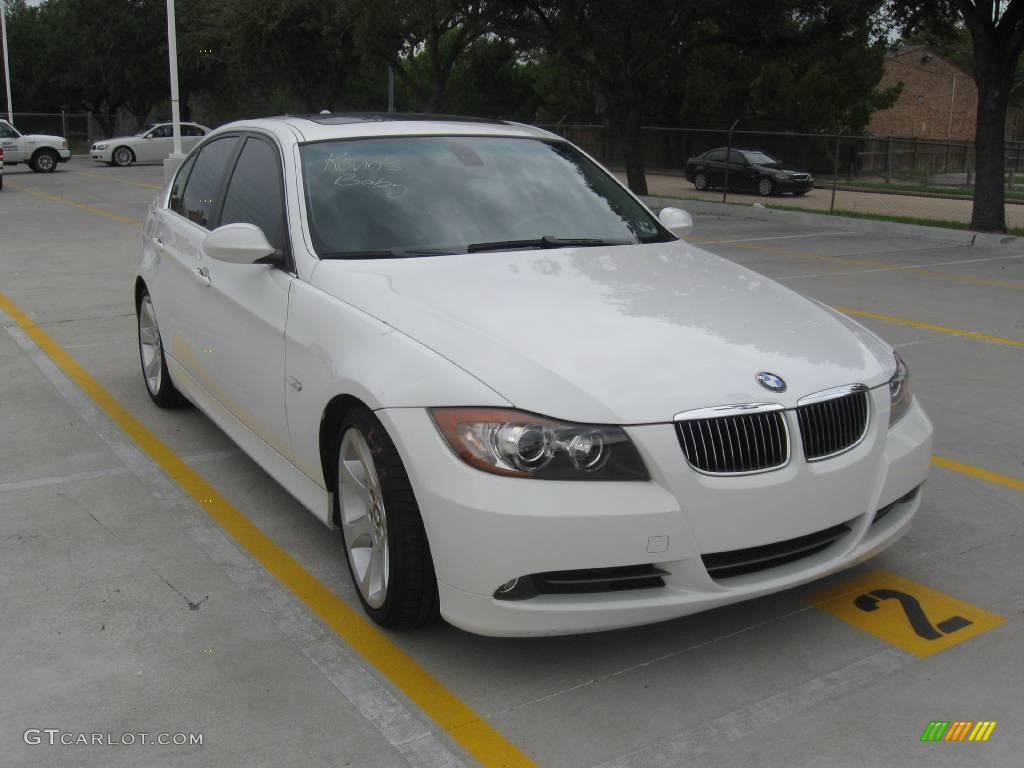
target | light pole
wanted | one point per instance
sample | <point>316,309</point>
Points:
<point>172,162</point>
<point>7,64</point>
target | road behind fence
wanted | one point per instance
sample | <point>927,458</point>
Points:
<point>889,176</point>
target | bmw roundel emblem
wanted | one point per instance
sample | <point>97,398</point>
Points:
<point>771,382</point>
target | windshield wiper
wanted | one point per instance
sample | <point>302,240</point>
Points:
<point>547,241</point>
<point>390,253</point>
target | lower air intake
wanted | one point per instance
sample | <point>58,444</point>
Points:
<point>738,562</point>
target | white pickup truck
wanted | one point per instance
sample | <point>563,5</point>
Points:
<point>42,153</point>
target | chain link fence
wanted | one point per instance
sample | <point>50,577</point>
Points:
<point>81,129</point>
<point>908,179</point>
<point>917,180</point>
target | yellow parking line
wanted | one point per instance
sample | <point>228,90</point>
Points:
<point>73,204</point>
<point>121,181</point>
<point>977,472</point>
<point>454,717</point>
<point>932,327</point>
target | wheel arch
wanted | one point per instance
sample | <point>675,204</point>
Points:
<point>330,421</point>
<point>44,150</point>
<point>140,289</point>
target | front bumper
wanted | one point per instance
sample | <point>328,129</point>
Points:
<point>103,155</point>
<point>793,185</point>
<point>485,530</point>
<point>63,155</point>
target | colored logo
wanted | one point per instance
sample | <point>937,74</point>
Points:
<point>771,382</point>
<point>958,730</point>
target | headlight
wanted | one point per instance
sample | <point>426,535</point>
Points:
<point>900,395</point>
<point>99,146</point>
<point>779,176</point>
<point>63,145</point>
<point>518,444</point>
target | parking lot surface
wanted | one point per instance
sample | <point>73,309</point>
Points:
<point>155,580</point>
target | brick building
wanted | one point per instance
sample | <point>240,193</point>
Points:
<point>939,100</point>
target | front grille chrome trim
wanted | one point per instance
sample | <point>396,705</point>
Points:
<point>735,409</point>
<point>714,437</point>
<point>831,394</point>
<point>835,423</point>
<point>725,442</point>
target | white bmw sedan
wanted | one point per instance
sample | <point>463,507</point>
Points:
<point>526,404</point>
<point>150,145</point>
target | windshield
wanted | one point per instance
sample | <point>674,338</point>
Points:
<point>430,195</point>
<point>756,157</point>
<point>145,130</point>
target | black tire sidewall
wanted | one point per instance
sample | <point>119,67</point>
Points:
<point>48,153</point>
<point>412,598</point>
<point>771,188</point>
<point>168,395</point>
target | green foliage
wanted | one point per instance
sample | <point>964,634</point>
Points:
<point>802,64</point>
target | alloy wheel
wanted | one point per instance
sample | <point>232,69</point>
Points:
<point>150,346</point>
<point>364,520</point>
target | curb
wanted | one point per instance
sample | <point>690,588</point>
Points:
<point>757,212</point>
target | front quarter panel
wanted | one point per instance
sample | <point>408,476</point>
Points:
<point>334,349</point>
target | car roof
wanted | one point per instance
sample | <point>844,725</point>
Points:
<point>308,128</point>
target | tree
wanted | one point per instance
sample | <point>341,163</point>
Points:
<point>422,40</point>
<point>625,50</point>
<point>821,67</point>
<point>290,54</point>
<point>996,29</point>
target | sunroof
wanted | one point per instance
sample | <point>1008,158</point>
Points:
<point>344,118</point>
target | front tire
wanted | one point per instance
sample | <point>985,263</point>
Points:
<point>122,157</point>
<point>385,542</point>
<point>700,182</point>
<point>44,161</point>
<point>765,188</point>
<point>151,355</point>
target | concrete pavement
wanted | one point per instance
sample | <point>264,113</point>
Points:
<point>126,609</point>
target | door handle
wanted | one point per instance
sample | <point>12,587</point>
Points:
<point>202,274</point>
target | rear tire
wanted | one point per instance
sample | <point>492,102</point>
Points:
<point>44,161</point>
<point>385,543</point>
<point>151,355</point>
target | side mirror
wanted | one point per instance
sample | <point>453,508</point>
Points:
<point>676,220</point>
<point>238,244</point>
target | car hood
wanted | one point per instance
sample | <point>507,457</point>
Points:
<point>44,137</point>
<point>624,335</point>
